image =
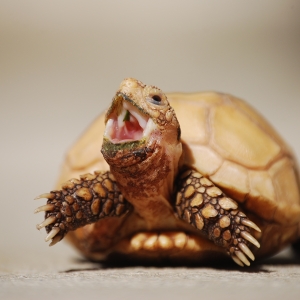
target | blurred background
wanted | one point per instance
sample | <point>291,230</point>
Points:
<point>62,61</point>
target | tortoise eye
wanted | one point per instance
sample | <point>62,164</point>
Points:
<point>155,99</point>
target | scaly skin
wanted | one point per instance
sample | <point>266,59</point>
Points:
<point>81,202</point>
<point>203,205</point>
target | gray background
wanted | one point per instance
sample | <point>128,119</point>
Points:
<point>60,64</point>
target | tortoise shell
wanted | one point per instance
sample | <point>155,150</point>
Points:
<point>235,147</point>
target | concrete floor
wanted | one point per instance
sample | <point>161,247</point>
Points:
<point>64,277</point>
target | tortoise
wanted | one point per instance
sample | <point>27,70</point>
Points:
<point>213,181</point>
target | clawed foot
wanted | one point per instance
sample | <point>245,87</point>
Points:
<point>203,205</point>
<point>241,238</point>
<point>81,202</point>
<point>54,228</point>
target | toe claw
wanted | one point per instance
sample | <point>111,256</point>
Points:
<point>246,250</point>
<point>52,233</point>
<point>242,257</point>
<point>47,207</point>
<point>46,195</point>
<point>247,236</point>
<point>250,224</point>
<point>46,222</point>
<point>55,240</point>
<point>237,261</point>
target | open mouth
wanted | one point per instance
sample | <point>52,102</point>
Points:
<point>126,124</point>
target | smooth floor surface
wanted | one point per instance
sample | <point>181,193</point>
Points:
<point>69,277</point>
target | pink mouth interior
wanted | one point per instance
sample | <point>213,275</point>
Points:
<point>130,130</point>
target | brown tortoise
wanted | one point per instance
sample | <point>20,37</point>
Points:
<point>221,182</point>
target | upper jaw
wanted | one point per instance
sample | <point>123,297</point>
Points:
<point>126,122</point>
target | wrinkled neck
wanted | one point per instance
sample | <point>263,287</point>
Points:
<point>148,185</point>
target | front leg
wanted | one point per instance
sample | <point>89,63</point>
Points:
<point>81,202</point>
<point>203,205</point>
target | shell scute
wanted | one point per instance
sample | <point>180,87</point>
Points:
<point>238,139</point>
<point>190,126</point>
<point>261,185</point>
<point>286,190</point>
<point>233,178</point>
<point>258,119</point>
<point>207,166</point>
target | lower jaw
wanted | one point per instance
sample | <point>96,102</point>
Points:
<point>125,154</point>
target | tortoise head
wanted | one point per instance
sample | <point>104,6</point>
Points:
<point>139,122</point>
<point>142,140</point>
